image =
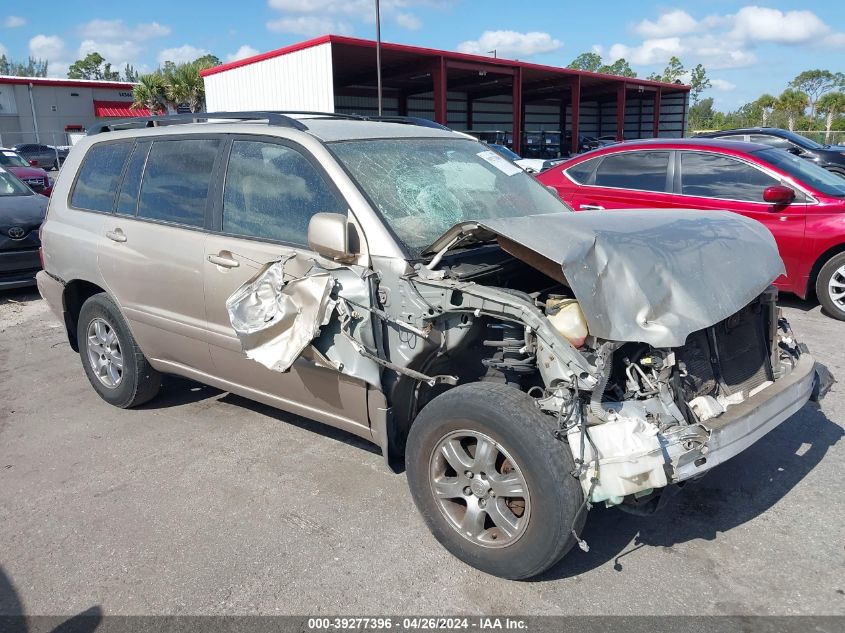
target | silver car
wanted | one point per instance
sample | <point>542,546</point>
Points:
<point>411,286</point>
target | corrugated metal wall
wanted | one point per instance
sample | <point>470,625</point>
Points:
<point>301,80</point>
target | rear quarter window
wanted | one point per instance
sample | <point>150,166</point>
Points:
<point>582,172</point>
<point>99,176</point>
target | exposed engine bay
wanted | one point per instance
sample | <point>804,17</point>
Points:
<point>661,402</point>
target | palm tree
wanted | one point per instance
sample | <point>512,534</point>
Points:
<point>184,85</point>
<point>149,93</point>
<point>793,103</point>
<point>767,103</point>
<point>832,105</point>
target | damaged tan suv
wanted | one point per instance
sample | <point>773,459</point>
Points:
<point>411,286</point>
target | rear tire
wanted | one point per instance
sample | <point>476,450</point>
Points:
<point>830,286</point>
<point>505,443</point>
<point>113,362</point>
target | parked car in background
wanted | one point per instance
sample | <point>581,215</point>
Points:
<point>46,156</point>
<point>831,157</point>
<point>531,165</point>
<point>37,179</point>
<point>411,286</point>
<point>21,214</point>
<point>802,204</point>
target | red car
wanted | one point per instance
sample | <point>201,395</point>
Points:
<point>37,179</point>
<point>802,204</point>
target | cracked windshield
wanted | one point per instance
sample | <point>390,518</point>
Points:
<point>423,187</point>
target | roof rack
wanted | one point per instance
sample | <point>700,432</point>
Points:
<point>272,118</point>
<point>281,118</point>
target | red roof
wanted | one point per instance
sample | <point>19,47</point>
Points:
<point>121,109</point>
<point>429,52</point>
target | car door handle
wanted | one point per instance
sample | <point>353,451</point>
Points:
<point>222,260</point>
<point>116,235</point>
<point>591,207</point>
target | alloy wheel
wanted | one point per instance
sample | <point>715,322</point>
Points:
<point>104,353</point>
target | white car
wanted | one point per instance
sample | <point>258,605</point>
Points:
<point>530,165</point>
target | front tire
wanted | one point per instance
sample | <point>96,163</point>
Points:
<point>830,286</point>
<point>113,362</point>
<point>492,482</point>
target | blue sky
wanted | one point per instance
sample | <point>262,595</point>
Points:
<point>747,48</point>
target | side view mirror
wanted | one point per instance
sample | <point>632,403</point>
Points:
<point>328,235</point>
<point>795,150</point>
<point>778,194</point>
<point>33,163</point>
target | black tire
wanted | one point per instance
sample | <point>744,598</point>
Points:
<point>837,170</point>
<point>511,419</point>
<point>138,382</point>
<point>826,274</point>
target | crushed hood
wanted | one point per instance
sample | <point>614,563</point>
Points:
<point>653,276</point>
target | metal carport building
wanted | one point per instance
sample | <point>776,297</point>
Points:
<point>466,92</point>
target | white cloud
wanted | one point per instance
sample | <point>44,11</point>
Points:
<point>340,12</point>
<point>675,22</point>
<point>653,51</point>
<point>511,44</point>
<point>770,25</point>
<point>117,42</point>
<point>117,30</point>
<point>242,53</point>
<point>14,21</point>
<point>49,47</point>
<point>308,26</point>
<point>720,41</point>
<point>722,84</point>
<point>181,54</point>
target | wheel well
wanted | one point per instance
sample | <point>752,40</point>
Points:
<point>75,294</point>
<point>821,261</point>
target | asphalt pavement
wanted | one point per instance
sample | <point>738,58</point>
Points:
<point>203,502</point>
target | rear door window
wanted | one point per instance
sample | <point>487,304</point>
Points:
<point>643,171</point>
<point>127,199</point>
<point>176,181</point>
<point>272,191</point>
<point>99,176</point>
<point>713,176</point>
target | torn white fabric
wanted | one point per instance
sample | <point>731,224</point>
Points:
<point>275,319</point>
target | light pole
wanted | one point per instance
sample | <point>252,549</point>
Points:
<point>378,56</point>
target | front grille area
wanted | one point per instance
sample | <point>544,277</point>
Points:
<point>36,184</point>
<point>729,358</point>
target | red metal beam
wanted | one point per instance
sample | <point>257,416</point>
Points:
<point>620,112</point>
<point>517,109</point>
<point>439,75</point>
<point>575,96</point>
<point>658,94</point>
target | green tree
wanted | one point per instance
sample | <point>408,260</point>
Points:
<point>32,68</point>
<point>672,73</point>
<point>620,67</point>
<point>701,115</point>
<point>207,61</point>
<point>815,83</point>
<point>792,103</point>
<point>185,86</point>
<point>92,66</point>
<point>699,82</point>
<point>766,103</point>
<point>832,105</point>
<point>130,74</point>
<point>587,61</point>
<point>150,93</point>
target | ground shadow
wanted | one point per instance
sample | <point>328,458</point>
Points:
<point>176,391</point>
<point>303,423</point>
<point>13,619</point>
<point>19,295</point>
<point>730,495</point>
<point>793,301</point>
